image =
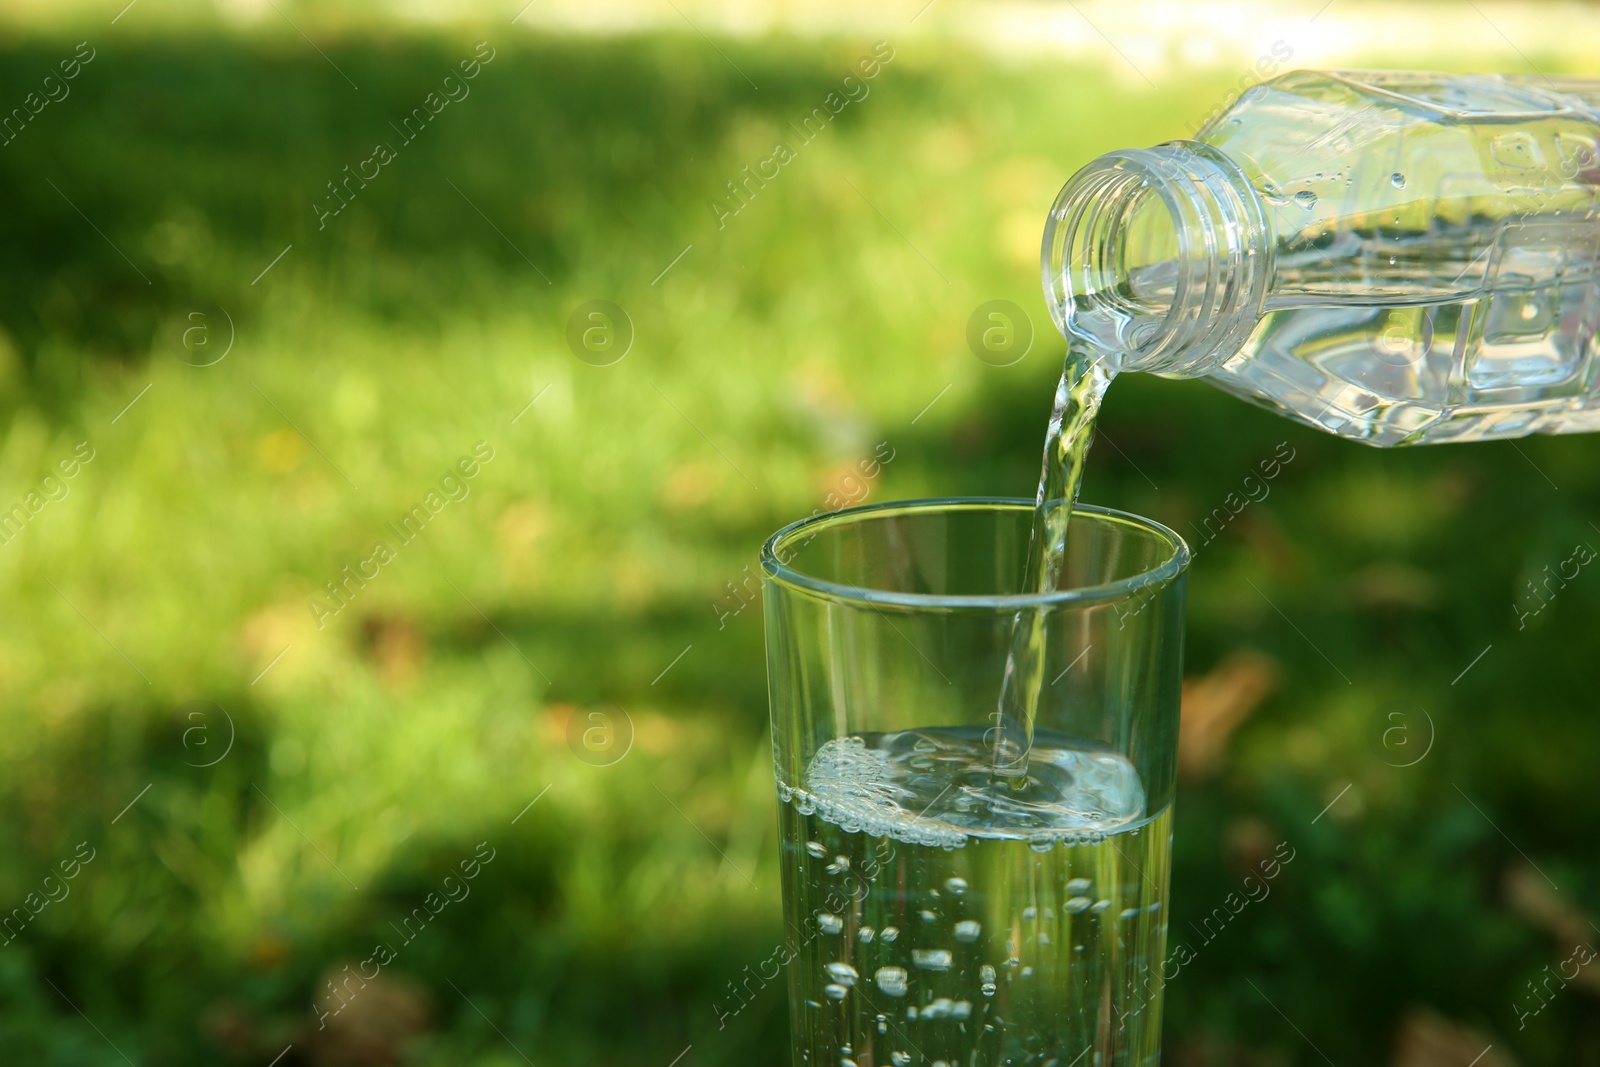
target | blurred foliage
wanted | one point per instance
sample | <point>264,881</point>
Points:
<point>159,608</point>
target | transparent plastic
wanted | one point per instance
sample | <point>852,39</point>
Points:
<point>1394,257</point>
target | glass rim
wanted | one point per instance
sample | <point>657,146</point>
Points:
<point>1168,570</point>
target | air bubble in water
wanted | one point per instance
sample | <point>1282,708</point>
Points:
<point>865,934</point>
<point>1078,886</point>
<point>1397,180</point>
<point>1077,905</point>
<point>928,916</point>
<point>931,959</point>
<point>1098,906</point>
<point>955,886</point>
<point>967,931</point>
<point>829,924</point>
<point>986,982</point>
<point>839,865</point>
<point>901,1059</point>
<point>835,991</point>
<point>1306,199</point>
<point>892,980</point>
<point>961,1010</point>
<point>889,933</point>
<point>842,973</point>
<point>817,849</point>
<point>939,1009</point>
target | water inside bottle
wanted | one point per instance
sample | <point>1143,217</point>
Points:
<point>1500,356</point>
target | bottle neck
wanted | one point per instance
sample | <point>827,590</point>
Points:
<point>1157,259</point>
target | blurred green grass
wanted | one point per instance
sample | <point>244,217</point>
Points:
<point>378,751</point>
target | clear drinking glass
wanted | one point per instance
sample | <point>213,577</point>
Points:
<point>935,912</point>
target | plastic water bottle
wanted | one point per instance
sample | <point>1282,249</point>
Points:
<point>1394,257</point>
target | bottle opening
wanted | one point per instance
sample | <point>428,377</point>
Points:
<point>1147,251</point>
<point>1113,265</point>
<point>1156,259</point>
